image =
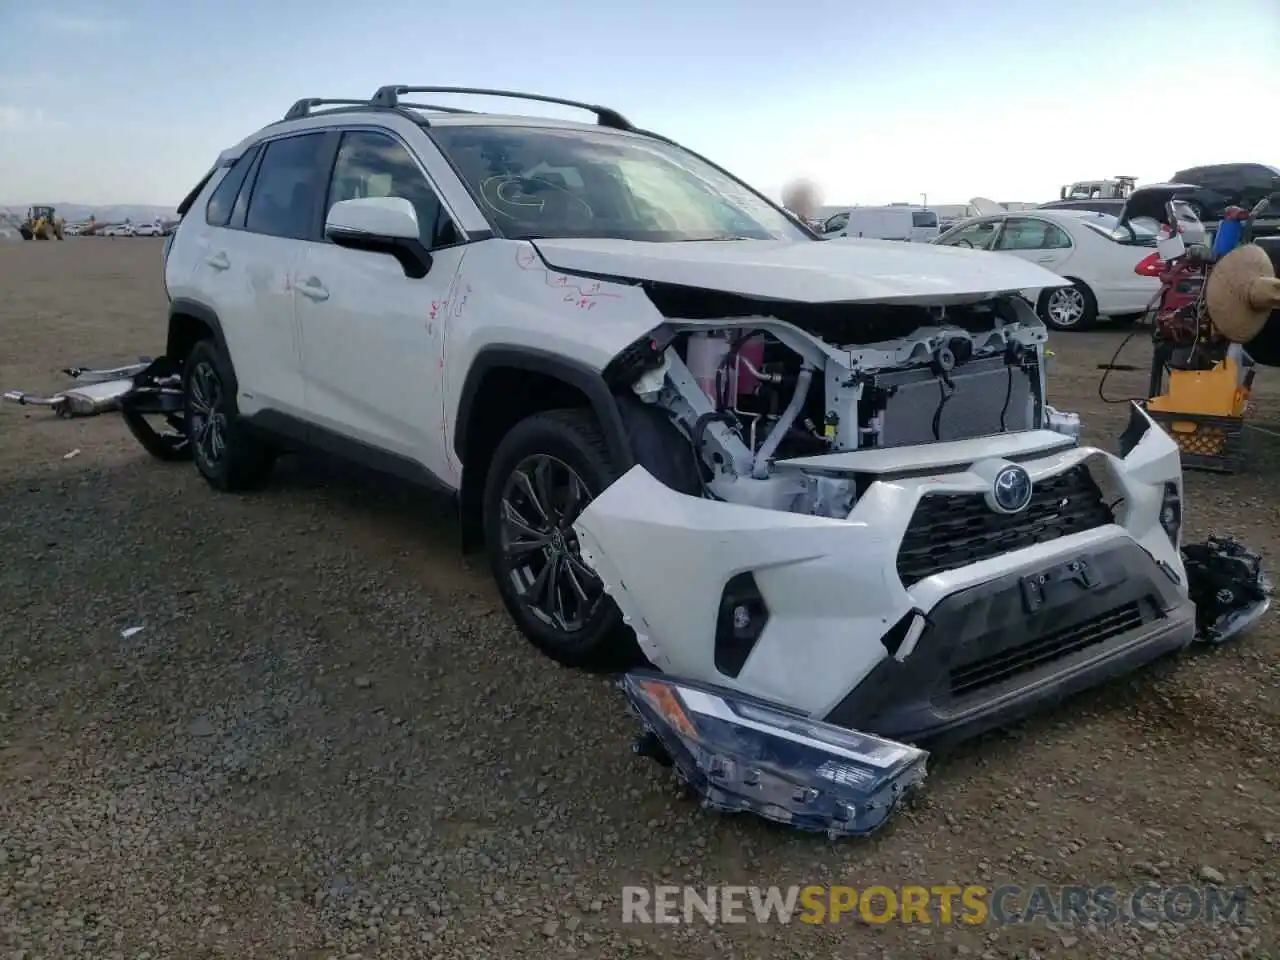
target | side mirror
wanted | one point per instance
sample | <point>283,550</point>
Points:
<point>380,225</point>
<point>1062,193</point>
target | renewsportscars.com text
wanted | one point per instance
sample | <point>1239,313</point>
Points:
<point>940,904</point>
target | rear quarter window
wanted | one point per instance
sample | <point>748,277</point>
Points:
<point>217,212</point>
<point>924,218</point>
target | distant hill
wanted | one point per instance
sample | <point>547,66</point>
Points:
<point>106,213</point>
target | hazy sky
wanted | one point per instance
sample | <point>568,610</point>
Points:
<point>129,101</point>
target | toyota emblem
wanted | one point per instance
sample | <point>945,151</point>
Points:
<point>1011,490</point>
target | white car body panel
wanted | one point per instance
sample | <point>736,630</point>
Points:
<point>506,297</point>
<point>826,581</point>
<point>382,385</point>
<point>848,271</point>
<point>933,456</point>
<point>984,207</point>
<point>1105,266</point>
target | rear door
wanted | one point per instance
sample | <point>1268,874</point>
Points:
<point>252,259</point>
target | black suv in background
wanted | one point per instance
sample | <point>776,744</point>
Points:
<point>1223,185</point>
<point>1210,190</point>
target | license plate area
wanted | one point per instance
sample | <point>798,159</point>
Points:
<point>1059,583</point>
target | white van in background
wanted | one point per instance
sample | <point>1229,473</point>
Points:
<point>883,223</point>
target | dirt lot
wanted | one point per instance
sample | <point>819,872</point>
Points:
<point>327,740</point>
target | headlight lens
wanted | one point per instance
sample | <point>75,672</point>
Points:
<point>741,753</point>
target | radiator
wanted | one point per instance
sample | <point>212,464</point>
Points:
<point>987,396</point>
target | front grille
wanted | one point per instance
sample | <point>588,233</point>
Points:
<point>949,530</point>
<point>966,678</point>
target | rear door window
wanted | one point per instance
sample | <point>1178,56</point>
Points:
<point>288,187</point>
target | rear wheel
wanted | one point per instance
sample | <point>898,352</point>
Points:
<point>1068,308</point>
<point>226,452</point>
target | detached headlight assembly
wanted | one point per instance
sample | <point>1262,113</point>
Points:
<point>743,754</point>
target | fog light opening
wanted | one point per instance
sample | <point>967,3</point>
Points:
<point>740,622</point>
<point>1171,513</point>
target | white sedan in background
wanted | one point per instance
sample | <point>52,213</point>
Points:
<point>117,230</point>
<point>1090,249</point>
<point>148,230</point>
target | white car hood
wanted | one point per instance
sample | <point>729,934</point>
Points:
<point>819,271</point>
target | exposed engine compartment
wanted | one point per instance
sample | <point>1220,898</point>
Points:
<point>754,391</point>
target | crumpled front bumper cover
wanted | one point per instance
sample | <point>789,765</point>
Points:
<point>780,764</point>
<point>742,754</point>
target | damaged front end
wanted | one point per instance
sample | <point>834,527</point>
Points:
<point>896,542</point>
<point>1225,580</point>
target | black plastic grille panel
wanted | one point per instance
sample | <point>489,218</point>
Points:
<point>996,668</point>
<point>949,531</point>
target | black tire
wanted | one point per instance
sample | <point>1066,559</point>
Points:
<point>1052,309</point>
<point>228,454</point>
<point>596,637</point>
<point>172,445</point>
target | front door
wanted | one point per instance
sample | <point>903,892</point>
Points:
<point>1036,240</point>
<point>372,338</point>
<point>978,235</point>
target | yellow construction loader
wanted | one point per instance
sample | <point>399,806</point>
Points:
<point>41,224</point>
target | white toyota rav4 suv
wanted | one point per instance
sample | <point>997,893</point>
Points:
<point>824,475</point>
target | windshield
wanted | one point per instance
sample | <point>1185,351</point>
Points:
<point>534,182</point>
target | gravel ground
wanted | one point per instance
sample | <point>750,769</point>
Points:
<point>326,740</point>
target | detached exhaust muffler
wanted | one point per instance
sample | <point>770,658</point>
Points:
<point>87,401</point>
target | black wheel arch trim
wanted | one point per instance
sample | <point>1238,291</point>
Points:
<point>182,306</point>
<point>573,373</point>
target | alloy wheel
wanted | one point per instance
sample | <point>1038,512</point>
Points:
<point>1066,306</point>
<point>208,417</point>
<point>541,558</point>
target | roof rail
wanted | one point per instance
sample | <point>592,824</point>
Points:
<point>434,106</point>
<point>304,107</point>
<point>389,96</point>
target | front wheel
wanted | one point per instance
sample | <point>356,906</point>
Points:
<point>1068,308</point>
<point>544,473</point>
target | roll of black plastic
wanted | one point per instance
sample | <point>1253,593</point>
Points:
<point>1265,347</point>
